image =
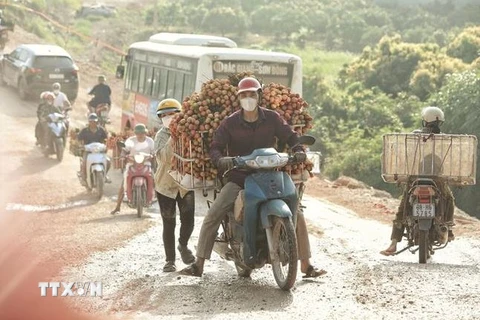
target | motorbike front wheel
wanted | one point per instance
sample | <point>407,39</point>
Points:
<point>284,244</point>
<point>59,148</point>
<point>100,181</point>
<point>423,247</point>
<point>139,200</point>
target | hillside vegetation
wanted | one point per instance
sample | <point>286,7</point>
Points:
<point>369,66</point>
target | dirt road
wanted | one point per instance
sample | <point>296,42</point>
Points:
<point>361,284</point>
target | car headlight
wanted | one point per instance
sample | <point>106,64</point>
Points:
<point>268,162</point>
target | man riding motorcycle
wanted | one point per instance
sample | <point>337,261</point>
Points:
<point>92,133</point>
<point>61,99</point>
<point>45,108</point>
<point>432,119</point>
<point>101,94</point>
<point>138,143</point>
<point>244,131</point>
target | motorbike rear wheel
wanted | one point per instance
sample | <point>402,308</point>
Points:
<point>423,250</point>
<point>139,201</point>
<point>59,148</point>
<point>285,251</point>
<point>100,181</point>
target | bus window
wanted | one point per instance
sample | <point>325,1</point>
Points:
<point>170,84</point>
<point>134,77</point>
<point>128,76</point>
<point>141,79</point>
<point>162,92</point>
<point>155,82</point>
<point>188,86</point>
<point>148,81</point>
<point>177,94</point>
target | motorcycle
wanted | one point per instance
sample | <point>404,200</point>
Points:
<point>96,167</point>
<point>261,229</point>
<point>139,184</point>
<point>57,136</point>
<point>426,223</point>
<point>102,110</point>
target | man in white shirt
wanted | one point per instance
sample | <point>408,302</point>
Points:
<point>133,145</point>
<point>61,100</point>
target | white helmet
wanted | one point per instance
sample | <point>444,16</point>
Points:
<point>431,114</point>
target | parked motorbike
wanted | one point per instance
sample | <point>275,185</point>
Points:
<point>262,227</point>
<point>139,184</point>
<point>96,165</point>
<point>57,135</point>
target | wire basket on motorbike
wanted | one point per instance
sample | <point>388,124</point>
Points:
<point>451,157</point>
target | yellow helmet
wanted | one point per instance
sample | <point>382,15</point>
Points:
<point>168,106</point>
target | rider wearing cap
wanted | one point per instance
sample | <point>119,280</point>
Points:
<point>138,143</point>
<point>432,119</point>
<point>90,134</point>
<point>61,99</point>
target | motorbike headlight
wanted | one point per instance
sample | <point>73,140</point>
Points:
<point>139,158</point>
<point>268,162</point>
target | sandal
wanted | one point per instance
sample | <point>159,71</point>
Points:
<point>186,254</point>
<point>114,212</point>
<point>191,270</point>
<point>388,252</point>
<point>313,272</point>
<point>169,267</point>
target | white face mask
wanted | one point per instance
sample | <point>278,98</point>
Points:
<point>166,120</point>
<point>248,104</point>
<point>56,92</point>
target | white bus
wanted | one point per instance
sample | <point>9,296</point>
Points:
<point>174,65</point>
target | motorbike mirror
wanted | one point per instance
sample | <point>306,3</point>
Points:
<point>120,144</point>
<point>120,72</point>
<point>306,140</point>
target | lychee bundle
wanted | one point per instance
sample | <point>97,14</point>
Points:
<point>203,111</point>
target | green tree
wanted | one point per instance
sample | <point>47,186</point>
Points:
<point>459,98</point>
<point>224,20</point>
<point>466,46</point>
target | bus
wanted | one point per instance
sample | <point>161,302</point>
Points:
<point>174,65</point>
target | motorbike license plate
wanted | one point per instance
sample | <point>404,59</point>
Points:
<point>424,210</point>
<point>55,76</point>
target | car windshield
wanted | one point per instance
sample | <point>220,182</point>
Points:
<point>53,62</point>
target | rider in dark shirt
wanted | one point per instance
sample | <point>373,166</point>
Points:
<point>92,133</point>
<point>101,94</point>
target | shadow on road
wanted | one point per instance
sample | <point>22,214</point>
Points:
<point>121,217</point>
<point>34,162</point>
<point>212,296</point>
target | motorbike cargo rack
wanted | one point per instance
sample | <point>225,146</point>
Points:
<point>192,168</point>
<point>192,157</point>
<point>451,157</point>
